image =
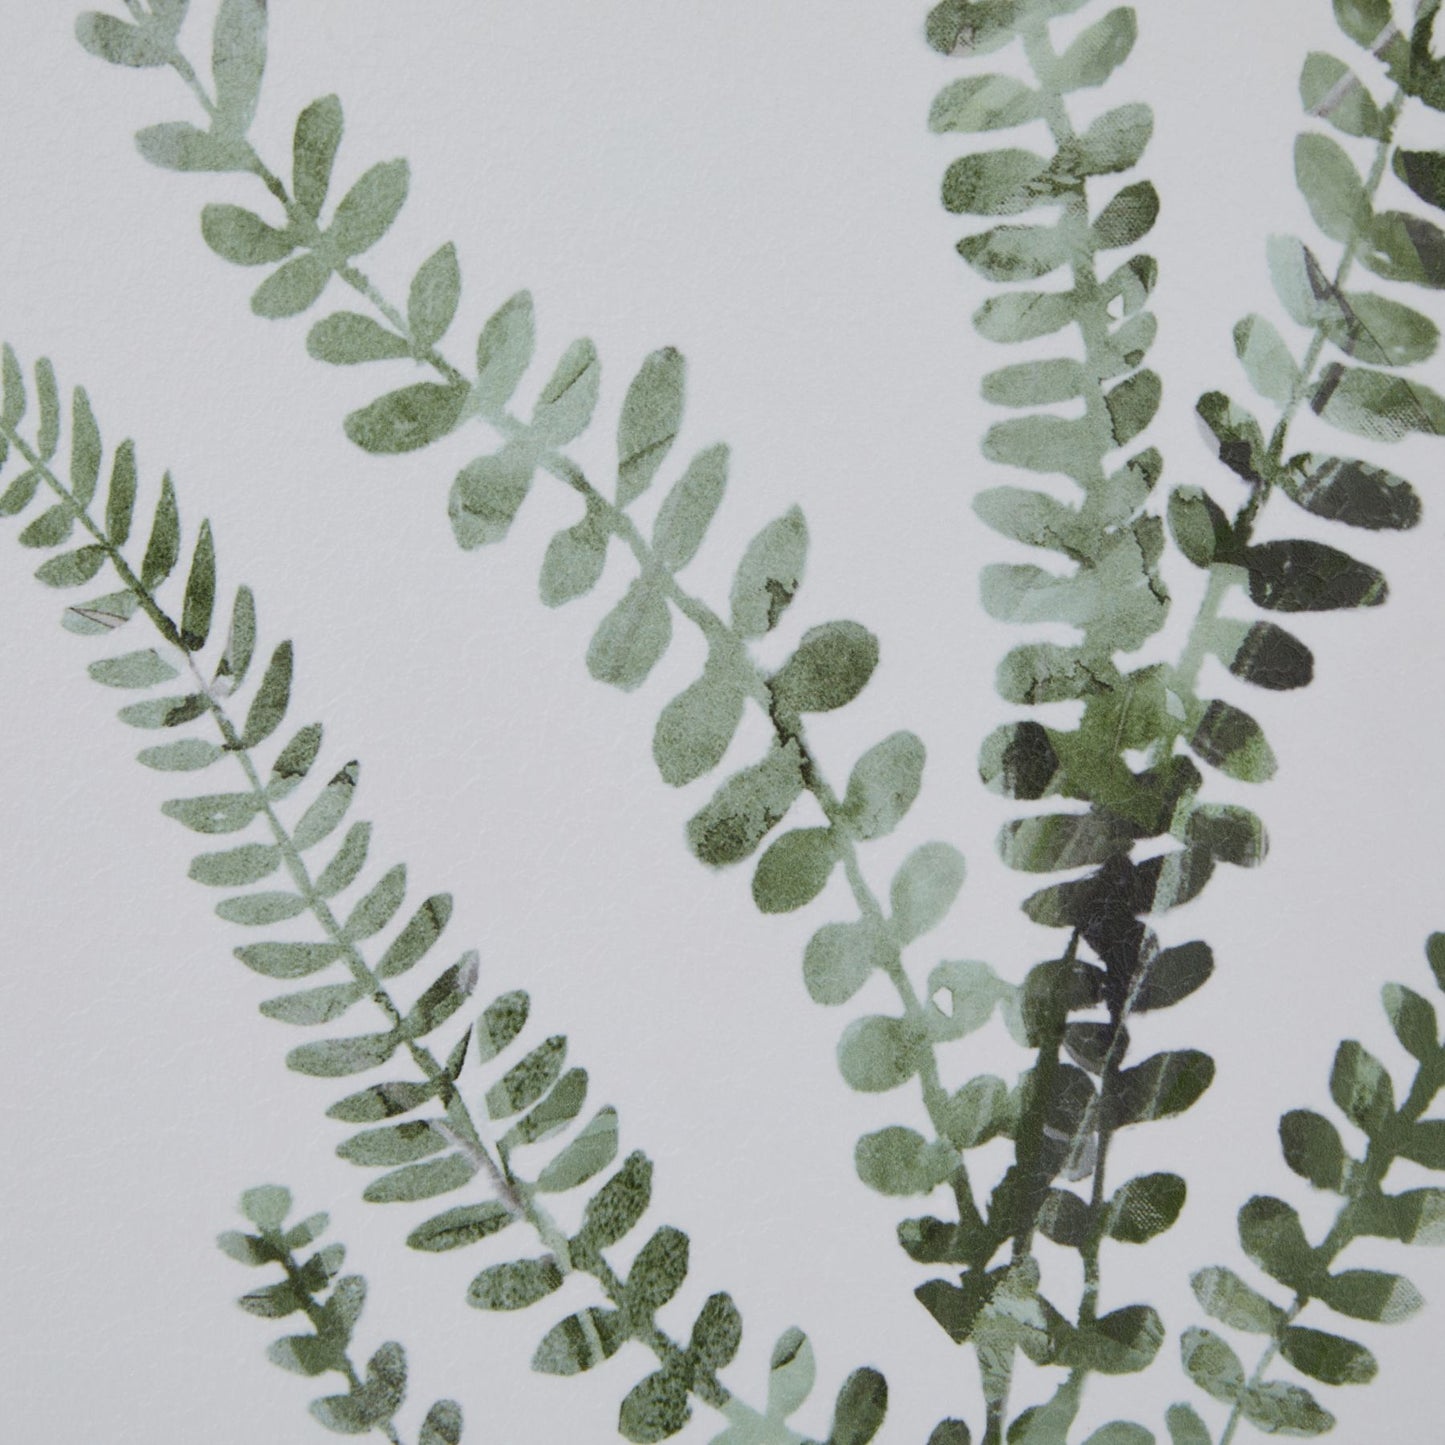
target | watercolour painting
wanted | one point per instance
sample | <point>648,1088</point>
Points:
<point>786,670</point>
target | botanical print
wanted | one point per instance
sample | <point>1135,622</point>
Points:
<point>1026,1262</point>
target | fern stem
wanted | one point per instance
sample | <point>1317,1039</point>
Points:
<point>461,1127</point>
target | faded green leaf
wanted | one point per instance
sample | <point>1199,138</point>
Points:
<point>487,495</point>
<point>575,559</point>
<point>242,237</point>
<point>746,808</point>
<point>883,785</point>
<point>830,668</point>
<point>682,520</point>
<point>769,575</point>
<point>840,958</point>
<point>348,338</point>
<point>651,416</point>
<point>366,212</point>
<point>697,726</point>
<point>632,637</point>
<point>1330,90</point>
<point>504,350</point>
<point>291,288</point>
<point>924,888</point>
<point>432,299</point>
<point>981,103</point>
<point>1331,186</point>
<point>899,1161</point>
<point>1097,51</point>
<point>877,1053</point>
<point>1328,1358</point>
<point>313,153</point>
<point>589,1153</point>
<point>466,1224</point>
<point>570,396</point>
<point>238,58</point>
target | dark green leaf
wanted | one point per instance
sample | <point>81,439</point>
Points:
<point>717,1332</point>
<point>443,1424</point>
<point>501,1021</point>
<point>1231,740</point>
<point>1328,1358</point>
<point>1313,1149</point>
<point>408,419</point>
<point>1360,1086</point>
<point>656,1407</point>
<point>745,809</point>
<point>579,1342</point>
<point>1129,216</point>
<point>859,1410</point>
<point>1424,173</point>
<point>1371,1294</point>
<point>273,697</point>
<point>1163,1085</point>
<point>200,599</point>
<point>659,1269</point>
<point>1305,576</point>
<point>1413,1019</point>
<point>794,869</point>
<point>1273,1237</point>
<point>1174,975</point>
<point>1353,492</point>
<point>1144,1207</point>
<point>347,338</point>
<point>466,1224</point>
<point>618,1205</point>
<point>163,548</point>
<point>830,668</point>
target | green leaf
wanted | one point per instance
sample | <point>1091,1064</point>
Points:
<point>1353,492</point>
<point>423,929</point>
<point>380,1101</point>
<point>347,339</point>
<point>769,575</point>
<point>1329,89</point>
<point>1424,173</point>
<point>569,398</point>
<point>501,1021</point>
<point>1129,216</point>
<point>1185,1426</point>
<point>794,869</point>
<point>392,1144</point>
<point>487,495</point>
<point>950,1432</point>
<point>378,907</point>
<point>408,419</point>
<point>326,813</point>
<point>242,237</point>
<point>1163,1085</point>
<point>697,726</point>
<point>443,1424</point>
<point>899,1161</point>
<point>85,449</point>
<point>1305,576</point>
<point>133,670</point>
<point>504,351</point>
<point>421,1181</point>
<point>1227,1298</point>
<point>977,1112</point>
<point>256,910</point>
<point>860,1407</point>
<point>1233,742</point>
<point>350,858</point>
<point>1376,404</point>
<point>335,1058</point>
<point>442,998</point>
<point>631,639</point>
<point>1049,842</point>
<point>651,416</point>
<point>1364,21</point>
<point>1435,957</point>
<point>611,1213</point>
<point>50,528</point>
<point>313,153</point>
<point>431,304</point>
<point>791,1372</point>
<point>199,602</point>
<point>1331,186</point>
<point>1097,51</point>
<point>656,1407</point>
<point>1330,1359</point>
<point>580,1341</point>
<point>841,957</point>
<point>830,668</point>
<point>314,1005</point>
<point>100,614</point>
<point>522,1085</point>
<point>575,559</point>
<point>466,1224</point>
<point>236,867</point>
<point>1237,439</point>
<point>1211,1364</point>
<point>685,514</point>
<point>367,210</point>
<point>113,40</point>
<point>982,103</point>
<point>717,1332</point>
<point>999,183</point>
<point>163,548</point>
<point>292,287</point>
<point>273,697</point>
<point>238,58</point>
<point>589,1153</point>
<point>163,712</point>
<point>924,889</point>
<point>240,641</point>
<point>877,1053</point>
<point>1113,142</point>
<point>746,808</point>
<point>884,785</point>
<point>179,146</point>
<point>1313,1149</point>
<point>1144,1207</point>
<point>288,960</point>
<point>72,569</point>
<point>1371,1294</point>
<point>1266,359</point>
<point>1120,1432</point>
<point>375,1402</point>
<point>1273,1237</point>
<point>1360,1086</point>
<point>659,1269</point>
<point>1279,1409</point>
<point>1414,1022</point>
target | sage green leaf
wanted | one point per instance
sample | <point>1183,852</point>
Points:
<point>199,602</point>
<point>1024,315</point>
<point>314,1005</point>
<point>1273,1237</point>
<point>1277,1408</point>
<point>236,867</point>
<point>1366,22</point>
<point>1331,1359</point>
<point>487,495</point>
<point>1144,1207</point>
<point>85,449</point>
<point>840,958</point>
<point>830,668</point>
<point>1331,186</point>
<point>335,1058</point>
<point>651,415</point>
<point>1162,1086</point>
<point>179,146</point>
<point>273,697</point>
<point>1424,173</point>
<point>999,183</point>
<point>1119,1343</point>
<point>375,1402</point>
<point>1128,217</point>
<point>1304,576</point>
<point>718,1331</point>
<point>255,910</point>
<point>1227,1298</point>
<point>1132,405</point>
<point>1211,1364</point>
<point>1016,253</point>
<point>1300,282</point>
<point>1378,331</point>
<point>12,386</point>
<point>381,1101</point>
<point>1235,435</point>
<point>745,809</point>
<point>659,1269</point>
<point>579,1342</point>
<point>1199,526</point>
<point>973,990</point>
<point>656,1407</point>
<point>899,1161</point>
<point>569,398</point>
<point>1267,360</point>
<point>1371,1294</point>
<point>113,40</point>
<point>431,304</point>
<point>504,350</point>
<point>423,929</point>
<point>791,1373</point>
<point>1233,742</point>
<point>1360,1086</point>
<point>1113,142</point>
<point>313,153</point>
<point>238,58</point>
<point>47,396</point>
<point>348,338</point>
<point>558,1109</point>
<point>133,670</point>
<point>794,869</point>
<point>612,1212</point>
<point>421,1181</point>
<point>408,419</point>
<point>1120,1432</point>
<point>884,785</point>
<point>20,492</point>
<point>924,889</point>
<point>683,519</point>
<point>950,1432</point>
<point>1414,1022</point>
<point>392,1144</point>
<point>877,1053</point>
<point>72,569</point>
<point>1035,383</point>
<point>242,237</point>
<point>1044,443</point>
<point>292,287</point>
<point>366,212</point>
<point>575,559</point>
<point>466,1224</point>
<point>443,1424</point>
<point>697,726</point>
<point>1435,957</point>
<point>1050,842</point>
<point>769,575</point>
<point>594,1148</point>
<point>631,639</point>
<point>1329,89</point>
<point>501,1021</point>
<point>983,102</point>
<point>442,998</point>
<point>326,813</point>
<point>523,1084</point>
<point>163,547</point>
<point>1097,51</point>
<point>50,528</point>
<point>1377,404</point>
<point>289,960</point>
<point>347,863</point>
<point>859,1409</point>
<point>1402,247</point>
<point>378,907</point>
<point>101,614</point>
<point>240,641</point>
<point>1185,1426</point>
<point>1353,492</point>
<point>1313,1149</point>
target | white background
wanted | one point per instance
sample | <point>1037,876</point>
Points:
<point>756,185</point>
